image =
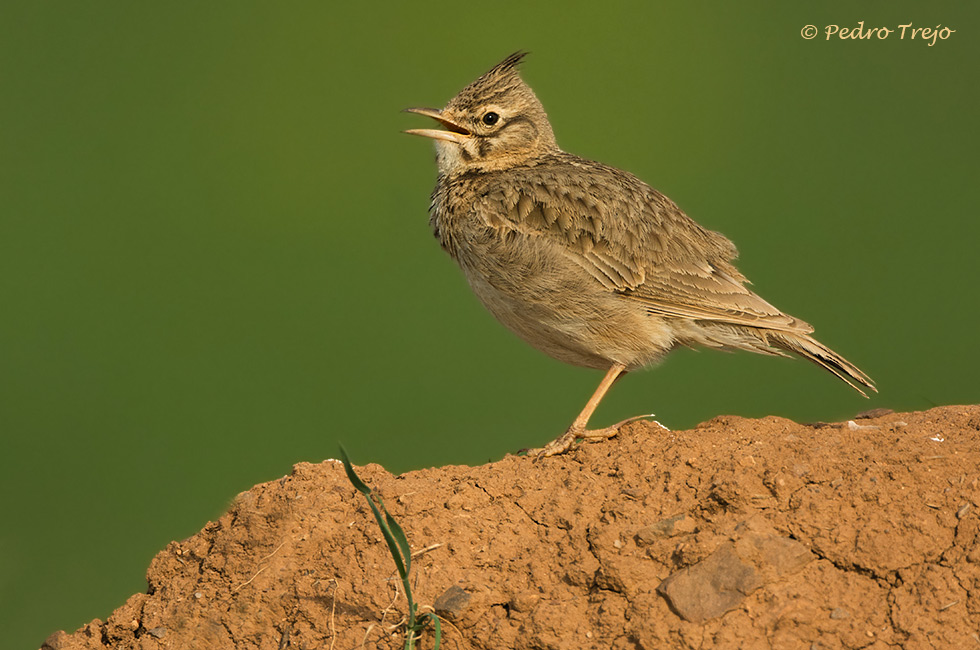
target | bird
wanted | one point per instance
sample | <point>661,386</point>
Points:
<point>584,261</point>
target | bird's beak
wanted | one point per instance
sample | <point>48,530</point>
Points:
<point>454,133</point>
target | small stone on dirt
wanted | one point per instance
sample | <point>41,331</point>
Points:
<point>669,527</point>
<point>711,587</point>
<point>870,414</point>
<point>452,602</point>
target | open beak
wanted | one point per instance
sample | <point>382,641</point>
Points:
<point>453,133</point>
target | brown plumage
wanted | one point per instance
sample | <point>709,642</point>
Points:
<point>584,261</point>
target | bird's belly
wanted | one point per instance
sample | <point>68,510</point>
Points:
<point>575,323</point>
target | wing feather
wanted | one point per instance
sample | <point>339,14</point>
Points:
<point>634,241</point>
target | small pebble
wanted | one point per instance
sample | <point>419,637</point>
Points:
<point>873,413</point>
<point>452,602</point>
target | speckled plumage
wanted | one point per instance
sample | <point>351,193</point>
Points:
<point>582,260</point>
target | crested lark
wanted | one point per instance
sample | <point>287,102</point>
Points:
<point>584,261</point>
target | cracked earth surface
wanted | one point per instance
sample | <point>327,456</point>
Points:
<point>739,533</point>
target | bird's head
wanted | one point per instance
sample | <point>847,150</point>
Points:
<point>494,123</point>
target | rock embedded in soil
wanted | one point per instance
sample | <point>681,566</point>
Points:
<point>452,602</point>
<point>711,587</point>
<point>738,534</point>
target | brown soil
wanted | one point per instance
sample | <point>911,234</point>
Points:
<point>737,534</point>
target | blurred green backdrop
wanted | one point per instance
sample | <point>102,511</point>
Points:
<point>215,260</point>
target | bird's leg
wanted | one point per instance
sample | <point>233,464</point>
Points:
<point>578,430</point>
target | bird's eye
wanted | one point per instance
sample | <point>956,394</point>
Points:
<point>490,118</point>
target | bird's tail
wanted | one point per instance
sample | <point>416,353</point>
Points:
<point>815,351</point>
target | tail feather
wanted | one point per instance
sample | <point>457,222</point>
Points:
<point>815,351</point>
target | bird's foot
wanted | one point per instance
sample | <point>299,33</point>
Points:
<point>568,439</point>
<point>574,434</point>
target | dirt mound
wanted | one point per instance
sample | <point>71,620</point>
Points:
<point>737,534</point>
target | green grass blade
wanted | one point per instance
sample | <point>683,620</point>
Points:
<point>438,630</point>
<point>352,475</point>
<point>402,540</point>
<point>398,548</point>
<point>394,545</point>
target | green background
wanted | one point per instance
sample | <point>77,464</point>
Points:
<point>215,260</point>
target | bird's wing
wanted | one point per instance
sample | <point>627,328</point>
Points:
<point>634,241</point>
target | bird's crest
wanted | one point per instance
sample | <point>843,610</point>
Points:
<point>498,80</point>
<point>508,64</point>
